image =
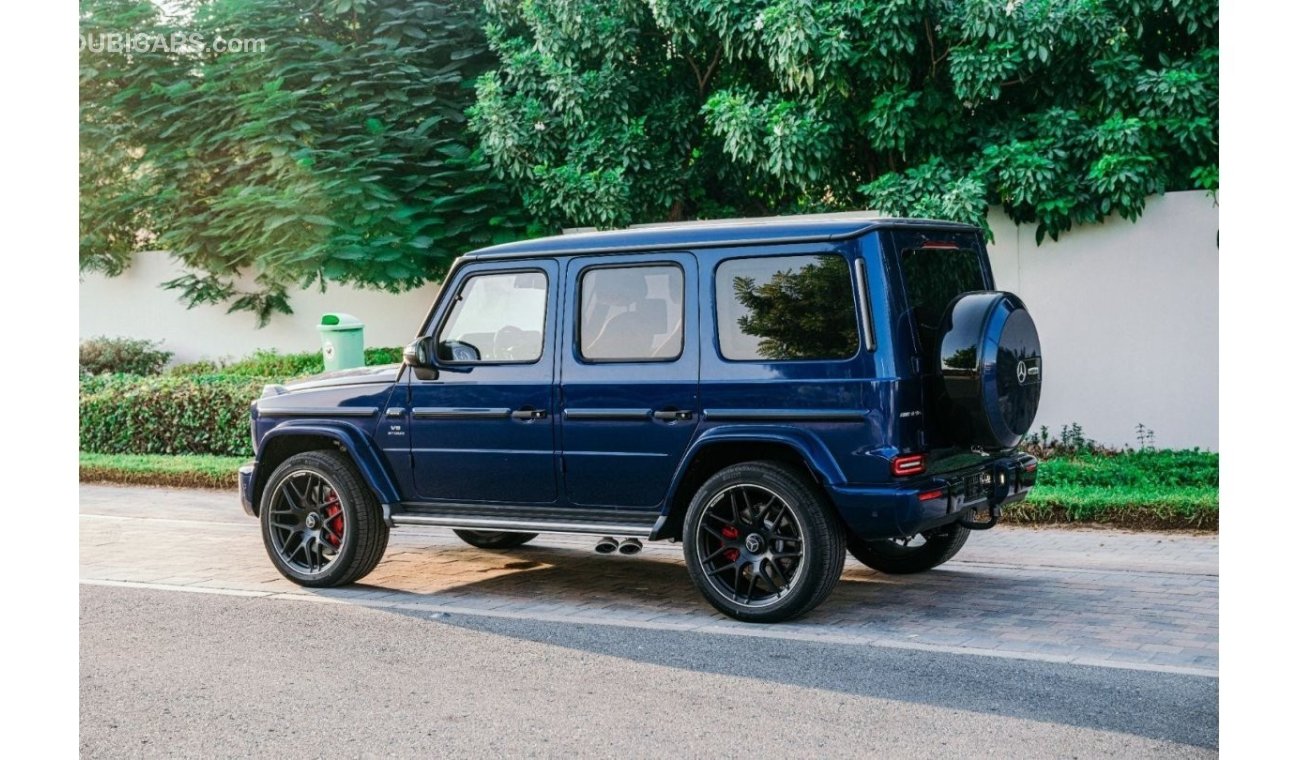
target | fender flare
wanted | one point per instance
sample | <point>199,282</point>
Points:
<point>354,443</point>
<point>808,446</point>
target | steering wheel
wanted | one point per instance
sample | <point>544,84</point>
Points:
<point>507,342</point>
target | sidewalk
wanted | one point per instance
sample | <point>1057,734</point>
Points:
<point>1112,598</point>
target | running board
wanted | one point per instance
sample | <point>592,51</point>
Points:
<point>466,522</point>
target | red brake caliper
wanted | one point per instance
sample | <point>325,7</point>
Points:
<point>334,518</point>
<point>730,533</point>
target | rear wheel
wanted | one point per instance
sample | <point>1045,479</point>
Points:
<point>914,554</point>
<point>321,525</point>
<point>761,542</point>
<point>486,539</point>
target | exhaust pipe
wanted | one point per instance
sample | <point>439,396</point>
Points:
<point>606,545</point>
<point>629,546</point>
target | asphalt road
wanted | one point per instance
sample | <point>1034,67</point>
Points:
<point>1031,643</point>
<point>185,674</point>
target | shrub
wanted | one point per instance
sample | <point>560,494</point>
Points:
<point>204,414</point>
<point>376,356</point>
<point>275,364</point>
<point>122,355</point>
<point>284,366</point>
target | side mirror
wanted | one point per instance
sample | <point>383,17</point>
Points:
<point>421,353</point>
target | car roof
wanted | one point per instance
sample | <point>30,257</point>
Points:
<point>713,233</point>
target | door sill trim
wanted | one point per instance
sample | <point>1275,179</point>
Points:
<point>477,522</point>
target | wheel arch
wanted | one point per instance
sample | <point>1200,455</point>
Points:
<point>289,439</point>
<point>723,447</point>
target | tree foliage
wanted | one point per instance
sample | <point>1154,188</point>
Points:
<point>338,152</point>
<point>1061,111</point>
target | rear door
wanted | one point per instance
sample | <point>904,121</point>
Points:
<point>629,375</point>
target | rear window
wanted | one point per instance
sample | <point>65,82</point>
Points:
<point>932,278</point>
<point>785,308</point>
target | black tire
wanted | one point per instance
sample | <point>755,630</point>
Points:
<point>320,523</point>
<point>799,541</point>
<point>494,539</point>
<point>901,557</point>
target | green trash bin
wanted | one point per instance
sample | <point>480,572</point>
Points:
<point>342,341</point>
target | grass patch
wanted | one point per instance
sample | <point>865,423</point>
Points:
<point>1167,490</point>
<point>184,471</point>
<point>1146,490</point>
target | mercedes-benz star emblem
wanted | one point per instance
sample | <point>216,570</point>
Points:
<point>1022,372</point>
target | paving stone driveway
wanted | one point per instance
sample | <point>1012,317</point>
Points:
<point>1139,600</point>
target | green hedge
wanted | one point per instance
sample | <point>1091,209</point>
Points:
<point>198,408</point>
<point>125,414</point>
<point>278,365</point>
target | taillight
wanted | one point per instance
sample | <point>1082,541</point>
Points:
<point>907,464</point>
<point>1031,467</point>
<point>931,495</point>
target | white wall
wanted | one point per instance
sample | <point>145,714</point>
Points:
<point>1127,313</point>
<point>134,305</point>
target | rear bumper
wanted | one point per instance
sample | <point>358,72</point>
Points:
<point>246,488</point>
<point>874,512</point>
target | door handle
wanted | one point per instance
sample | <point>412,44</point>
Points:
<point>527,414</point>
<point>673,415</point>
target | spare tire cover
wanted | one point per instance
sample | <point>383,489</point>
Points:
<point>991,365</point>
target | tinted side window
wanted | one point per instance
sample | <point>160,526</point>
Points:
<point>785,308</point>
<point>496,318</point>
<point>631,314</point>
<point>933,277</point>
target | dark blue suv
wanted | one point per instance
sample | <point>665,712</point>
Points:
<point>768,392</point>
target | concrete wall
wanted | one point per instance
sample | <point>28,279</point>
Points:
<point>134,305</point>
<point>1128,315</point>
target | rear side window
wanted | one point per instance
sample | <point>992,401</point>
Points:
<point>933,277</point>
<point>785,308</point>
<point>631,314</point>
<point>496,318</point>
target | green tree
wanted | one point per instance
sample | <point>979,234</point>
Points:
<point>1061,111</point>
<point>337,151</point>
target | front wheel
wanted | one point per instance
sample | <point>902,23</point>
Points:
<point>914,554</point>
<point>762,543</point>
<point>494,539</point>
<point>321,525</point>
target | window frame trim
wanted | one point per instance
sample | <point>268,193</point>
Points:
<point>577,313</point>
<point>470,274</point>
<point>860,347</point>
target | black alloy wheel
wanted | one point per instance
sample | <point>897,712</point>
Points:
<point>320,524</point>
<point>910,554</point>
<point>761,543</point>
<point>494,539</point>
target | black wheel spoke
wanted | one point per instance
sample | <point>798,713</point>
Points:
<point>715,553</point>
<point>776,569</point>
<point>724,568</point>
<point>753,581</point>
<point>749,545</point>
<point>300,527</point>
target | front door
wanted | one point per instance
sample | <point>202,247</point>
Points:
<point>483,429</point>
<point>629,377</point>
